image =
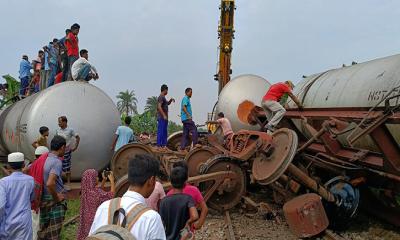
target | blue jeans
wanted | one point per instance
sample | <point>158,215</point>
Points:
<point>65,68</point>
<point>53,72</point>
<point>83,73</point>
<point>24,85</point>
<point>162,132</point>
<point>71,60</point>
<point>188,127</point>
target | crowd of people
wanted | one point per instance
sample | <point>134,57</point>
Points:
<point>59,61</point>
<point>32,197</point>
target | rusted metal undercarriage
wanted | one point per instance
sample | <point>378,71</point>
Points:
<point>292,162</point>
<point>327,153</point>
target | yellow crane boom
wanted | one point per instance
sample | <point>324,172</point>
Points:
<point>226,35</point>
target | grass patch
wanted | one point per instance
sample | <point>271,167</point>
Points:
<point>69,232</point>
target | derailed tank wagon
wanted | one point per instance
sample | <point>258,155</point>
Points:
<point>344,145</point>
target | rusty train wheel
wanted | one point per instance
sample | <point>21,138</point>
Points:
<point>121,186</point>
<point>119,162</point>
<point>174,141</point>
<point>197,157</point>
<point>267,169</point>
<point>229,196</point>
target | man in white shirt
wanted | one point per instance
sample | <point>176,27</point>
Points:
<point>142,171</point>
<point>82,69</point>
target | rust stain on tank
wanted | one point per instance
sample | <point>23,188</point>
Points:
<point>244,110</point>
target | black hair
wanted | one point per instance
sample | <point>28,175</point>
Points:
<point>128,120</point>
<point>16,165</point>
<point>55,40</point>
<point>178,177</point>
<point>75,26</point>
<point>41,51</point>
<point>221,114</point>
<point>63,119</point>
<point>182,164</point>
<point>83,51</point>
<point>43,129</point>
<point>141,168</point>
<point>67,31</point>
<point>164,87</point>
<point>188,90</point>
<point>57,143</point>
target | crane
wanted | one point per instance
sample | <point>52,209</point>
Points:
<point>226,36</point>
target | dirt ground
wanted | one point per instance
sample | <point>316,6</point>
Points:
<point>256,227</point>
<point>250,225</point>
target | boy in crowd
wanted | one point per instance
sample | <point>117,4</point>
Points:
<point>153,201</point>
<point>195,193</point>
<point>142,172</point>
<point>178,210</point>
<point>67,133</point>
<point>16,194</point>
<point>123,135</point>
<point>42,139</point>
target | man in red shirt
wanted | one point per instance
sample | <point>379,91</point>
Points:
<point>270,103</point>
<point>71,43</point>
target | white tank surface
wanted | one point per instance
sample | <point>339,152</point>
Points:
<point>239,96</point>
<point>90,112</point>
<point>362,85</point>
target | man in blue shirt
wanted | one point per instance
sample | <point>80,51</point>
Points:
<point>123,135</point>
<point>16,194</point>
<point>24,74</point>
<point>53,205</point>
<point>186,117</point>
<point>53,61</point>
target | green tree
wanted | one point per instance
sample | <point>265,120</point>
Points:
<point>151,105</point>
<point>11,95</point>
<point>144,122</point>
<point>173,127</point>
<point>127,102</point>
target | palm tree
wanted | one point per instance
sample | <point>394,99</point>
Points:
<point>127,102</point>
<point>151,105</point>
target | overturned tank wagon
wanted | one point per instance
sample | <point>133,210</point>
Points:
<point>349,136</point>
<point>90,112</point>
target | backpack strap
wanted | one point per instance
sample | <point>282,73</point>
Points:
<point>135,213</point>
<point>115,204</point>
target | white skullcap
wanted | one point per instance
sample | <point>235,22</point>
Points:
<point>16,157</point>
<point>41,150</point>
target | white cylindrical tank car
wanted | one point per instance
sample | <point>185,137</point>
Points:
<point>245,90</point>
<point>90,112</point>
<point>362,85</point>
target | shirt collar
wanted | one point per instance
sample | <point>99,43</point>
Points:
<point>16,173</point>
<point>135,195</point>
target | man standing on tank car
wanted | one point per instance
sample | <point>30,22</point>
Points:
<point>162,117</point>
<point>24,74</point>
<point>187,121</point>
<point>67,133</point>
<point>270,103</point>
<point>72,44</point>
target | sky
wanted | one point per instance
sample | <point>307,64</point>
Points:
<point>139,45</point>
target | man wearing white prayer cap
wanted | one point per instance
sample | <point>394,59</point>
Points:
<point>16,194</point>
<point>39,151</point>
